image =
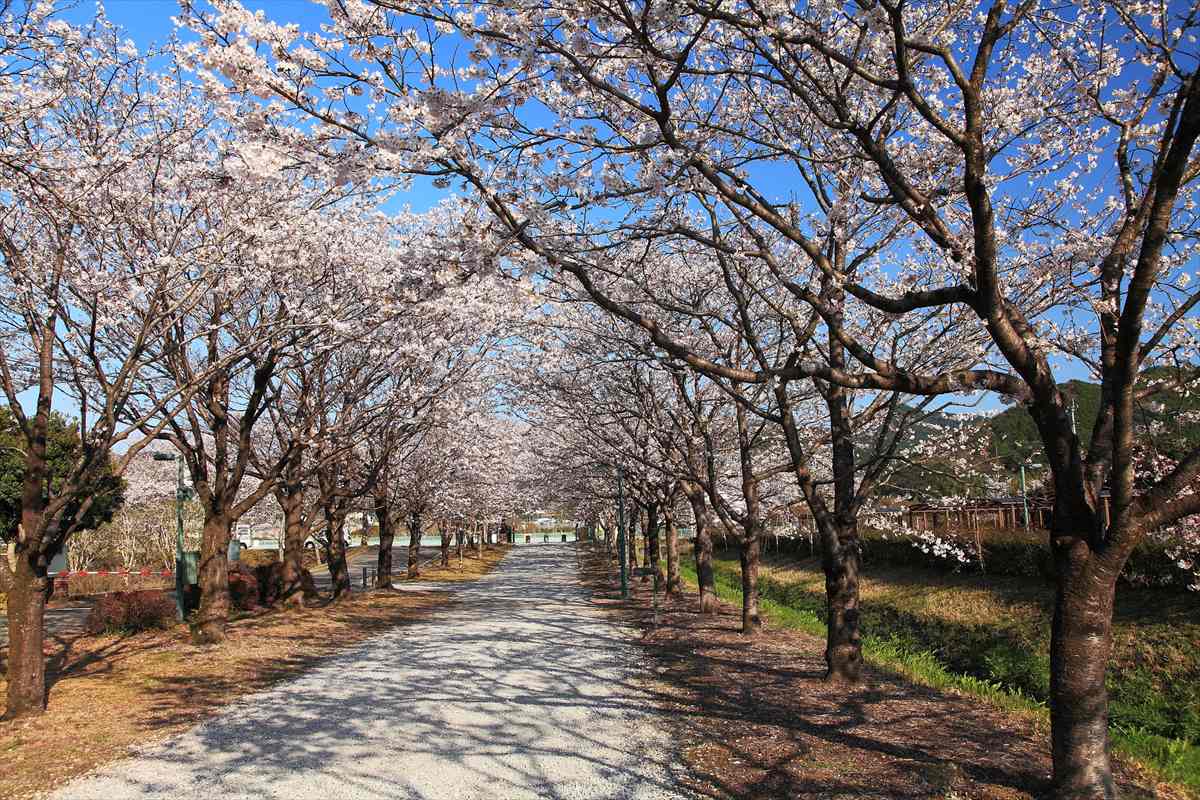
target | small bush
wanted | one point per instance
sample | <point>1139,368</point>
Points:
<point>191,597</point>
<point>269,577</point>
<point>1017,553</point>
<point>130,612</point>
<point>270,583</point>
<point>243,587</point>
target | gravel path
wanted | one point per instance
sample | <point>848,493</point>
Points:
<point>521,689</point>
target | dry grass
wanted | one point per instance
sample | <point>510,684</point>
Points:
<point>109,693</point>
<point>91,585</point>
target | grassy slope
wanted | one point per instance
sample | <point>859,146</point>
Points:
<point>989,637</point>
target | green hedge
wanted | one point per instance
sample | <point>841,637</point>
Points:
<point>1014,553</point>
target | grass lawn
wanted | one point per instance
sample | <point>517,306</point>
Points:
<point>989,637</point>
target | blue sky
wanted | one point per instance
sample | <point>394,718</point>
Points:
<point>149,21</point>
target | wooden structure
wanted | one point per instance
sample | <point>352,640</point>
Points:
<point>991,513</point>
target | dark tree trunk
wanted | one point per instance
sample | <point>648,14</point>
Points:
<point>843,647</point>
<point>749,541</point>
<point>653,550</point>
<point>1080,644</point>
<point>414,544</point>
<point>387,537</point>
<point>28,586</point>
<point>631,544</point>
<point>335,549</point>
<point>294,534</point>
<point>751,622</point>
<point>674,582</point>
<point>703,548</point>
<point>838,528</point>
<point>26,639</point>
<point>214,579</point>
<point>445,547</point>
<point>843,643</point>
<point>644,521</point>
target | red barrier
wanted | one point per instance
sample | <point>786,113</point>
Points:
<point>144,572</point>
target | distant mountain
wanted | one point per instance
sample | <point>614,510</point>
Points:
<point>1015,438</point>
<point>1012,439</point>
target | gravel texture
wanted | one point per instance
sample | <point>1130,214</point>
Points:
<point>520,689</point>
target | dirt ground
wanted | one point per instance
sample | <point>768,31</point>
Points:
<point>754,719</point>
<point>110,693</point>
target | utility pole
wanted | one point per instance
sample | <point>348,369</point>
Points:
<point>1024,496</point>
<point>621,532</point>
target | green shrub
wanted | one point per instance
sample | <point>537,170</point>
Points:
<point>1016,553</point>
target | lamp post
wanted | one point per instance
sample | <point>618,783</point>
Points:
<point>1024,494</point>
<point>180,495</point>
<point>621,532</point>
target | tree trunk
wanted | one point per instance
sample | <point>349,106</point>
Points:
<point>653,550</point>
<point>445,547</point>
<point>387,537</point>
<point>335,550</point>
<point>703,548</point>
<point>1080,643</point>
<point>27,581</point>
<point>645,523</point>
<point>26,639</point>
<point>840,549</point>
<point>674,582</point>
<point>214,579</point>
<point>294,534</point>
<point>843,642</point>
<point>631,546</point>
<point>414,544</point>
<point>751,622</point>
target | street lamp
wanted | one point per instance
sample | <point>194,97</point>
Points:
<point>181,493</point>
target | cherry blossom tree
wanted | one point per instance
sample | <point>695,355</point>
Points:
<point>280,289</point>
<point>98,154</point>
